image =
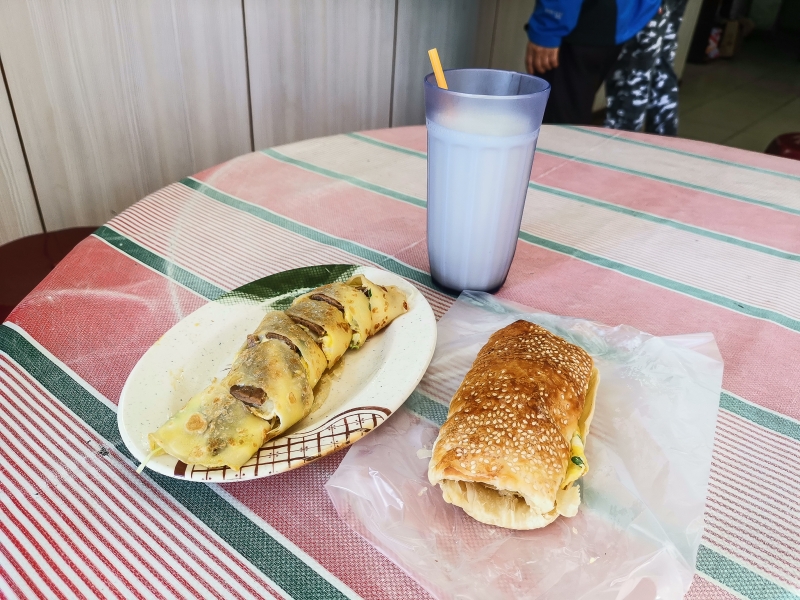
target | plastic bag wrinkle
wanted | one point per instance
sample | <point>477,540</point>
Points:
<point>639,525</point>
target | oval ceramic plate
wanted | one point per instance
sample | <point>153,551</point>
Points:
<point>360,392</point>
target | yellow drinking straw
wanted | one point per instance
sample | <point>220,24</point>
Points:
<point>433,54</point>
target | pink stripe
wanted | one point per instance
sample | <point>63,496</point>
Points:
<point>32,562</point>
<point>770,470</point>
<point>727,545</point>
<point>123,523</point>
<point>755,520</point>
<point>151,222</point>
<point>392,227</point>
<point>6,575</point>
<point>701,209</point>
<point>102,518</point>
<point>746,498</point>
<point>279,241</point>
<point>32,565</point>
<point>733,155</point>
<point>768,549</point>
<point>221,239</point>
<point>189,256</point>
<point>539,277</point>
<point>147,498</point>
<point>101,345</point>
<point>736,470</point>
<point>77,528</point>
<point>703,589</point>
<point>270,232</point>
<point>758,431</point>
<point>159,222</point>
<point>776,479</point>
<point>324,535</point>
<point>738,456</point>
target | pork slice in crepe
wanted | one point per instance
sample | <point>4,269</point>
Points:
<point>385,302</point>
<point>270,378</point>
<point>214,429</point>
<point>326,325</point>
<point>353,304</point>
<point>278,326</point>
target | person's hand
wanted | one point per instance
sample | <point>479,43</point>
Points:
<point>539,59</point>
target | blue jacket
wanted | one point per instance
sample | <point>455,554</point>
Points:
<point>588,22</point>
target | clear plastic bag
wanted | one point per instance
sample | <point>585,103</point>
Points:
<point>638,529</point>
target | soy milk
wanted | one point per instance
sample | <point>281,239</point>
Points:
<point>478,172</point>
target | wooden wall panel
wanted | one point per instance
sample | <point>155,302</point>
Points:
<point>685,34</point>
<point>318,67</point>
<point>18,215</point>
<point>510,38</point>
<point>460,29</point>
<point>117,98</point>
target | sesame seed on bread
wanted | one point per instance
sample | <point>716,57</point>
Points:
<point>505,448</point>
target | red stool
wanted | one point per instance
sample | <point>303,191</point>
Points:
<point>26,261</point>
<point>786,145</point>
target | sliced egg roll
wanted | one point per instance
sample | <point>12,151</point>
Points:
<point>354,305</point>
<point>214,429</point>
<point>385,302</point>
<point>326,325</point>
<point>276,325</point>
<point>270,378</point>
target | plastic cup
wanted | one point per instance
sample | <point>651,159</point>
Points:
<point>482,134</point>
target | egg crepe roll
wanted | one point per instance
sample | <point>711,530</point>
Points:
<point>270,385</point>
<point>276,325</point>
<point>386,302</point>
<point>353,304</point>
<point>270,378</point>
<point>513,442</point>
<point>213,429</point>
<point>326,325</point>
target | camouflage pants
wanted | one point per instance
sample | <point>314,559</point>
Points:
<point>642,88</point>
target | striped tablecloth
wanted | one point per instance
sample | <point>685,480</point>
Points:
<point>667,235</point>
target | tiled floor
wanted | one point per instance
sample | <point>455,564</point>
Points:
<point>745,101</point>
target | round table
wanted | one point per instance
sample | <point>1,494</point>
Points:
<point>667,235</point>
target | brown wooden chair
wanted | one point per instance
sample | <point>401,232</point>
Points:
<point>786,145</point>
<point>26,261</point>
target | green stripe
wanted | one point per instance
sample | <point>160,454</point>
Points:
<point>269,216</point>
<point>606,166</point>
<point>689,290</point>
<point>740,579</point>
<point>721,237</point>
<point>614,207</point>
<point>157,263</point>
<point>388,146</point>
<point>272,153</point>
<point>267,554</point>
<point>428,409</point>
<point>740,307</point>
<point>699,188</point>
<point>720,161</point>
<point>710,563</point>
<point>758,415</point>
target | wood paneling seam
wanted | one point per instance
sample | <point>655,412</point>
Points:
<point>247,73</point>
<point>394,59</point>
<point>494,32</point>
<point>22,145</point>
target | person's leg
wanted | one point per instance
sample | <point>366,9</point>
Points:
<point>575,82</point>
<point>628,84</point>
<point>662,106</point>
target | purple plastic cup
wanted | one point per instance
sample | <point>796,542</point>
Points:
<point>482,134</point>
